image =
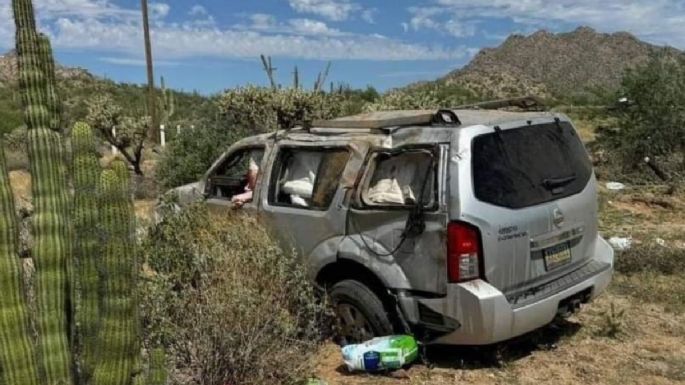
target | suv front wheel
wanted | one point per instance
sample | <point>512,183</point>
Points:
<point>360,312</point>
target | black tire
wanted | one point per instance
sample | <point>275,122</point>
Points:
<point>360,313</point>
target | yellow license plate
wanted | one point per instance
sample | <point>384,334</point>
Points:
<point>556,256</point>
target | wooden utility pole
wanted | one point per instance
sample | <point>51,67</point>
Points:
<point>151,97</point>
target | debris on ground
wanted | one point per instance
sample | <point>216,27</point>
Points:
<point>661,242</point>
<point>621,243</point>
<point>381,354</point>
<point>615,186</point>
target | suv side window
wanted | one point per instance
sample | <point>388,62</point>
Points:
<point>307,177</point>
<point>236,174</point>
<point>400,179</point>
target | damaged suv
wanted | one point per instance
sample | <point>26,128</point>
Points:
<point>465,226</point>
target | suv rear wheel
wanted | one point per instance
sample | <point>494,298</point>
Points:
<point>360,312</point>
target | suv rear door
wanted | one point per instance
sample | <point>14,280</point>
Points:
<point>530,189</point>
<point>378,218</point>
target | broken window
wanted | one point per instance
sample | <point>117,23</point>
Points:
<point>307,178</point>
<point>237,175</point>
<point>400,179</point>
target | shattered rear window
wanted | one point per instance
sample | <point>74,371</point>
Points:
<point>529,165</point>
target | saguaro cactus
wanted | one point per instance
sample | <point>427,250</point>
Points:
<point>51,225</point>
<point>17,356</point>
<point>118,332</point>
<point>86,171</point>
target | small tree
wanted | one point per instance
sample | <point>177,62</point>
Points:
<point>652,122</point>
<point>105,116</point>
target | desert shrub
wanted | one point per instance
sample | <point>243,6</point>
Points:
<point>14,144</point>
<point>652,121</point>
<point>260,109</point>
<point>424,96</point>
<point>651,257</point>
<point>229,305</point>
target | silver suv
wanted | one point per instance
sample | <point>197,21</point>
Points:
<point>466,226</point>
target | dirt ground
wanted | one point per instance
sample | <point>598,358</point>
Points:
<point>619,339</point>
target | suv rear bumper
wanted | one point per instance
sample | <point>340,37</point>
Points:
<point>482,314</point>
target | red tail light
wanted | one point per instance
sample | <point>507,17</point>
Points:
<point>464,254</point>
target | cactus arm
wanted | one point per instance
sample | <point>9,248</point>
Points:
<point>118,332</point>
<point>51,225</point>
<point>86,171</point>
<point>17,354</point>
<point>158,373</point>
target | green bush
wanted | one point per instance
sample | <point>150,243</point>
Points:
<point>652,122</point>
<point>227,303</point>
<point>260,109</point>
<point>424,96</point>
<point>192,152</point>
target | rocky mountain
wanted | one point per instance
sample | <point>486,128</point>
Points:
<point>563,65</point>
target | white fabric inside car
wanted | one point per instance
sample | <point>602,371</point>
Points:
<point>396,179</point>
<point>300,176</point>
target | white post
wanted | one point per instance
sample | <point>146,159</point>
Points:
<point>162,135</point>
<point>114,134</point>
<point>178,129</point>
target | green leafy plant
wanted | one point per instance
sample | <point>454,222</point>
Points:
<point>651,121</point>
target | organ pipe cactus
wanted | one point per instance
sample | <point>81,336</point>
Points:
<point>51,225</point>
<point>90,271</point>
<point>86,171</point>
<point>118,331</point>
<point>17,355</point>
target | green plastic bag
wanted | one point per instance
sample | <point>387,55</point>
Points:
<point>381,354</point>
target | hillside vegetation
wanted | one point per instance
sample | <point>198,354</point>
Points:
<point>581,66</point>
<point>77,87</point>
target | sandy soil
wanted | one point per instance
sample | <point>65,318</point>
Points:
<point>650,349</point>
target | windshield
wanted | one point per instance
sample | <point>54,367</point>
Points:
<point>529,165</point>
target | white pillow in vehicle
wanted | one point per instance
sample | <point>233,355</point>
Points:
<point>387,190</point>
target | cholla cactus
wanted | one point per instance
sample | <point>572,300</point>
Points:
<point>265,109</point>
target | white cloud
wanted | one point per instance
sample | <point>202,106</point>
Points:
<point>658,21</point>
<point>197,10</point>
<point>312,27</point>
<point>369,15</point>
<point>159,10</point>
<point>431,18</point>
<point>262,21</point>
<point>110,31</point>
<point>336,10</point>
<point>189,42</point>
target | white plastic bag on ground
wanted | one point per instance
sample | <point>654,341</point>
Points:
<point>382,353</point>
<point>615,186</point>
<point>621,243</point>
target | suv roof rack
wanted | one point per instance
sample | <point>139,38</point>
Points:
<point>384,120</point>
<point>527,103</point>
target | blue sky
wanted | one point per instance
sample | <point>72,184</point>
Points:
<point>211,45</point>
